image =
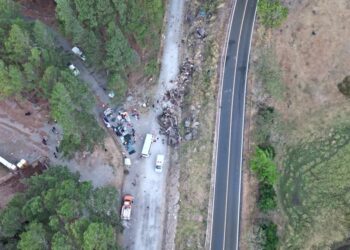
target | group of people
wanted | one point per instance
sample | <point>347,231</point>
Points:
<point>45,141</point>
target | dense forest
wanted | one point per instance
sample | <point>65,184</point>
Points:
<point>58,212</point>
<point>34,67</point>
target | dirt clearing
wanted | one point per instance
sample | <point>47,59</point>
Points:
<point>21,137</point>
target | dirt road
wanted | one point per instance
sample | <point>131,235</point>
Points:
<point>145,230</point>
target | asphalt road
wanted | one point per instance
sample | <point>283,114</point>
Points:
<point>227,194</point>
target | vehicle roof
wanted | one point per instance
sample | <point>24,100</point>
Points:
<point>128,197</point>
<point>160,159</point>
<point>147,144</point>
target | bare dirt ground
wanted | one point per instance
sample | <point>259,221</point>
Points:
<point>21,137</point>
<point>313,51</point>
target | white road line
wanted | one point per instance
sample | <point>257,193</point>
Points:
<point>242,141</point>
<point>229,145</point>
<point>223,63</point>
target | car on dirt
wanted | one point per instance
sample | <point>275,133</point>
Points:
<point>74,70</point>
<point>125,213</point>
<point>159,163</point>
<point>79,53</point>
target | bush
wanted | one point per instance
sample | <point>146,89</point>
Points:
<point>262,164</point>
<point>272,13</point>
<point>267,197</point>
<point>265,119</point>
<point>344,86</point>
<point>269,230</point>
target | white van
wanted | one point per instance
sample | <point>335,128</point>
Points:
<point>147,146</point>
<point>159,163</point>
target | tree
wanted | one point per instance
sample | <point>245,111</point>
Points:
<point>272,13</point>
<point>10,222</point>
<point>60,241</point>
<point>8,10</point>
<point>42,37</point>
<point>17,45</point>
<point>344,86</point>
<point>119,54</point>
<point>99,236</point>
<point>66,16</point>
<point>34,238</point>
<point>263,165</point>
<point>118,85</point>
<point>87,12</point>
<point>104,203</point>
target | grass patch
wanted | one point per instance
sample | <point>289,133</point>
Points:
<point>314,190</point>
<point>270,73</point>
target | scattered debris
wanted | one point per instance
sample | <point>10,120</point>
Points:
<point>201,34</point>
<point>168,119</point>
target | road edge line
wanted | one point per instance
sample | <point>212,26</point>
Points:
<point>243,129</point>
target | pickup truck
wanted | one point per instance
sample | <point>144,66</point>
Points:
<point>126,208</point>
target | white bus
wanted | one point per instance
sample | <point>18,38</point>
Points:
<point>147,146</point>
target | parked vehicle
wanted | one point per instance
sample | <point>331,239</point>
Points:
<point>159,163</point>
<point>79,53</point>
<point>126,208</point>
<point>147,145</point>
<point>74,70</point>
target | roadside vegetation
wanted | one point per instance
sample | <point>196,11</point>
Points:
<point>32,67</point>
<point>263,162</point>
<point>58,211</point>
<point>307,140</point>
<point>118,36</point>
<point>271,13</point>
<point>200,104</point>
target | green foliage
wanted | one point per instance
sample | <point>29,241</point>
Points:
<point>17,45</point>
<point>267,197</point>
<point>269,72</point>
<point>99,236</point>
<point>144,20</point>
<point>262,164</point>
<point>117,84</point>
<point>10,222</point>
<point>119,54</point>
<point>269,230</point>
<point>344,86</point>
<point>57,211</point>
<point>8,10</point>
<point>34,238</point>
<point>272,13</point>
<point>11,80</point>
<point>70,104</point>
<point>42,36</point>
<point>151,68</point>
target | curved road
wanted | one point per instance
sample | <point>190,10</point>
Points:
<point>227,193</point>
